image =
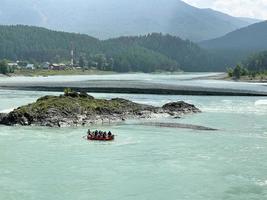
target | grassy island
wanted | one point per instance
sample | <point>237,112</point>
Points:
<point>75,109</point>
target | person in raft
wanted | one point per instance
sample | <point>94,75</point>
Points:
<point>99,134</point>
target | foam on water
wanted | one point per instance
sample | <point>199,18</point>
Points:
<point>261,103</point>
<point>7,110</point>
<point>262,183</point>
<point>233,105</point>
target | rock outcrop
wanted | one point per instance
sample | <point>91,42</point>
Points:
<point>2,116</point>
<point>179,107</point>
<point>78,109</point>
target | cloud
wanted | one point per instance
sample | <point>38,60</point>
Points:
<point>239,8</point>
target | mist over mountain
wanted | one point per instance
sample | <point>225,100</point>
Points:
<point>236,46</point>
<point>252,38</point>
<point>113,18</point>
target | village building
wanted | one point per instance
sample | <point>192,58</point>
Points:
<point>14,65</point>
<point>30,66</point>
<point>45,65</point>
<point>55,66</point>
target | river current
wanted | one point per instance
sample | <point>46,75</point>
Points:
<point>144,162</point>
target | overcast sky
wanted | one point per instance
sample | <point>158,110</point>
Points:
<point>240,8</point>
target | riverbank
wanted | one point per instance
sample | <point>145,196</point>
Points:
<point>43,72</point>
<point>248,79</point>
<point>179,84</point>
<point>258,79</point>
<point>74,72</point>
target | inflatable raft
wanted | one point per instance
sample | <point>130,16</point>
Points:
<point>101,138</point>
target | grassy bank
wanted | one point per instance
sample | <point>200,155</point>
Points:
<point>42,72</point>
<point>257,78</point>
<point>241,73</point>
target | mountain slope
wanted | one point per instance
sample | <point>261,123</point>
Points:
<point>113,18</point>
<point>257,62</point>
<point>250,20</point>
<point>26,42</point>
<point>251,38</point>
<point>188,55</point>
<point>147,53</point>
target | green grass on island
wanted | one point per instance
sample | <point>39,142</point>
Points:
<point>71,102</point>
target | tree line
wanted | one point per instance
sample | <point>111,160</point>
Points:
<point>254,66</point>
<point>149,53</point>
<point>4,68</point>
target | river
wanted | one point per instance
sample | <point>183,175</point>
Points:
<point>143,163</point>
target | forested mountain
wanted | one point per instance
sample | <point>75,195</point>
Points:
<point>257,62</point>
<point>25,42</point>
<point>189,56</point>
<point>252,38</point>
<point>114,18</point>
<point>147,53</point>
<point>237,45</point>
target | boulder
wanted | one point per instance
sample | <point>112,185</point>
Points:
<point>2,116</point>
<point>180,107</point>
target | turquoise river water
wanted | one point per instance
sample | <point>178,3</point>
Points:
<point>143,163</point>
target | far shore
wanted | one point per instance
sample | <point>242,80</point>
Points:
<point>79,72</point>
<point>68,72</point>
<point>74,72</point>
<point>225,77</point>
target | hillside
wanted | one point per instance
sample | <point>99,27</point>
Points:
<point>188,55</point>
<point>237,45</point>
<point>252,38</point>
<point>147,53</point>
<point>257,62</point>
<point>105,19</point>
<point>40,44</point>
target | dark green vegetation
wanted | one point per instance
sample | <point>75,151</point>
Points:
<point>257,62</point>
<point>153,52</point>
<point>71,101</point>
<point>114,18</point>
<point>39,44</point>
<point>255,68</point>
<point>4,68</point>
<point>149,53</point>
<point>157,49</point>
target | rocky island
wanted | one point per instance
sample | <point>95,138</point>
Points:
<point>80,109</point>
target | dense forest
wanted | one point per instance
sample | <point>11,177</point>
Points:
<point>152,52</point>
<point>257,62</point>
<point>182,53</point>
<point>4,68</point>
<point>149,53</point>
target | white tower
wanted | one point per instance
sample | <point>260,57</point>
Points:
<point>72,55</point>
